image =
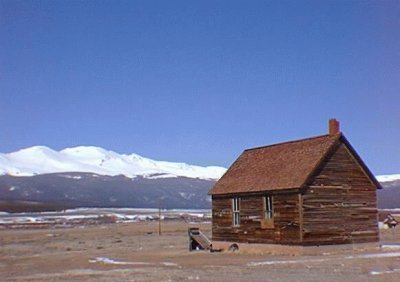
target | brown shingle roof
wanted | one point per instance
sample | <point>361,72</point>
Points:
<point>275,167</point>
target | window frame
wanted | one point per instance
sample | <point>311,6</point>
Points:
<point>236,211</point>
<point>268,207</point>
<point>268,214</point>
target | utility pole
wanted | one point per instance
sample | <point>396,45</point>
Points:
<point>159,216</point>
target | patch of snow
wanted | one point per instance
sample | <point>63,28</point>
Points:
<point>105,260</point>
<point>119,215</point>
<point>393,210</point>
<point>78,216</point>
<point>377,255</point>
<point>187,196</point>
<point>158,176</point>
<point>13,219</point>
<point>360,256</point>
<point>273,262</point>
<point>381,225</point>
<point>71,176</point>
<point>199,215</point>
<point>379,272</point>
<point>79,210</point>
<point>168,263</point>
<point>390,246</point>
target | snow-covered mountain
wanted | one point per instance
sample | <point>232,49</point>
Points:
<point>42,160</point>
<point>39,178</point>
<point>388,178</point>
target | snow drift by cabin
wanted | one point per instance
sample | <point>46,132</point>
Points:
<point>305,192</point>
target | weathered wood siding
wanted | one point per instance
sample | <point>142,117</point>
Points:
<point>339,205</point>
<point>286,228</point>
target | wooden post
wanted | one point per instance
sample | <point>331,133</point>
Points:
<point>159,216</point>
<point>159,221</point>
<point>301,217</point>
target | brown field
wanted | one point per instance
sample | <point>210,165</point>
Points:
<point>135,252</point>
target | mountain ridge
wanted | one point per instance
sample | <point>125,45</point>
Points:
<point>38,178</point>
<point>38,160</point>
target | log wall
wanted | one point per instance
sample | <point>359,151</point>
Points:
<point>339,204</point>
<point>285,228</point>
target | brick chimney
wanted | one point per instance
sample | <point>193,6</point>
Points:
<point>334,127</point>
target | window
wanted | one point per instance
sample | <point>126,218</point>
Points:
<point>268,208</point>
<point>236,211</point>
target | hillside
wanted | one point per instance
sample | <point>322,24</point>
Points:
<point>389,196</point>
<point>70,190</point>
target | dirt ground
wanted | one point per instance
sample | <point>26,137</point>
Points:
<point>135,252</point>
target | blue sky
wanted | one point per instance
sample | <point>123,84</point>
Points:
<point>200,81</point>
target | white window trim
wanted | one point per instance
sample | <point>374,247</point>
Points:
<point>236,211</point>
<point>268,207</point>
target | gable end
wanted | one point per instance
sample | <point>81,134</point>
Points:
<point>342,142</point>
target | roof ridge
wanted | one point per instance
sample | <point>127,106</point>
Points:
<point>293,141</point>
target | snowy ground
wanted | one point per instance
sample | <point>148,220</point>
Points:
<point>90,216</point>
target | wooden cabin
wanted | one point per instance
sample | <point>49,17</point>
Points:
<point>312,191</point>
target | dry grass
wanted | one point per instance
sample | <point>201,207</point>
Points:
<point>135,252</point>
